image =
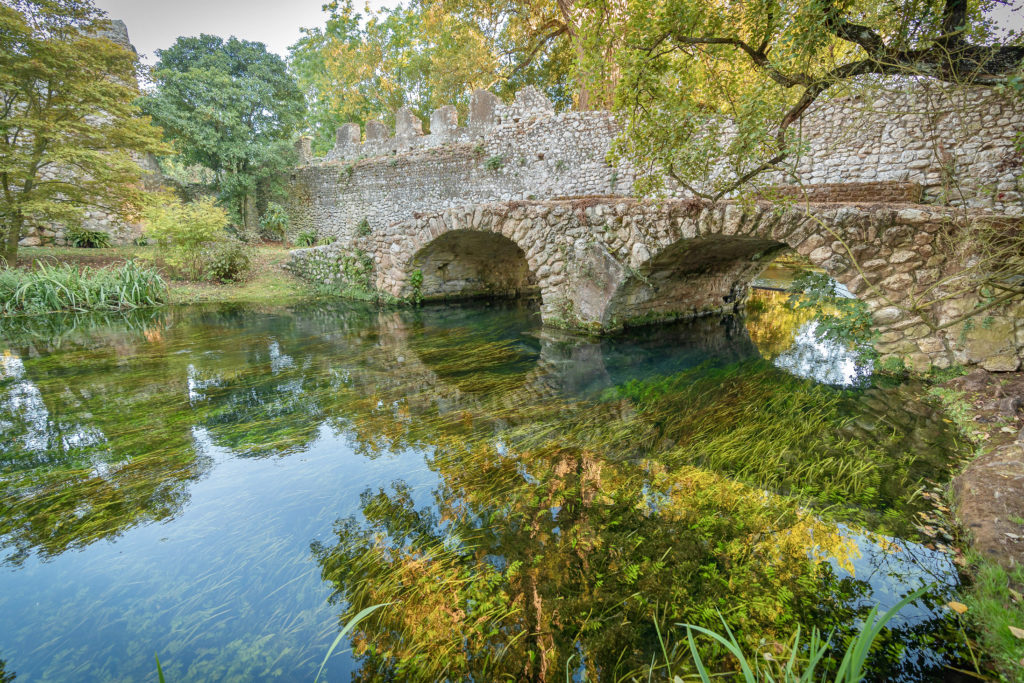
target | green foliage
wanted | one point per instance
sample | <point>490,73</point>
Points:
<point>843,320</point>
<point>711,94</point>
<point>801,662</point>
<point>51,288</point>
<point>995,604</point>
<point>363,228</point>
<point>68,102</point>
<point>185,230</point>
<point>306,238</point>
<point>275,221</point>
<point>84,238</point>
<point>228,261</point>
<point>231,107</point>
<point>360,67</point>
<point>416,283</point>
<point>494,163</point>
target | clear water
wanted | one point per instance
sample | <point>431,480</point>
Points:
<point>226,486</point>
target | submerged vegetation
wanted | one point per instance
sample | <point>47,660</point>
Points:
<point>529,505</point>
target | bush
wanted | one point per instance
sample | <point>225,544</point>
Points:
<point>66,288</point>
<point>83,238</point>
<point>364,229</point>
<point>228,261</point>
<point>306,238</point>
<point>186,230</point>
<point>274,221</point>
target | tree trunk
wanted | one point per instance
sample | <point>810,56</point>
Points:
<point>9,247</point>
<point>249,218</point>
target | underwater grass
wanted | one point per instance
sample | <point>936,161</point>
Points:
<point>64,287</point>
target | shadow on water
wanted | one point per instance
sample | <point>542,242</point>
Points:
<point>532,501</point>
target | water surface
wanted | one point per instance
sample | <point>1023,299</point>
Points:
<point>226,485</point>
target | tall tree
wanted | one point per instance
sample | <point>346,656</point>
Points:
<point>231,106</point>
<point>432,53</point>
<point>712,90</point>
<point>68,122</point>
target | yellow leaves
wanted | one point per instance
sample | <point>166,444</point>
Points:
<point>958,607</point>
<point>1017,632</point>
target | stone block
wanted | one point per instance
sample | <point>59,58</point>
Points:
<point>444,122</point>
<point>407,124</point>
<point>375,130</point>
<point>349,134</point>
<point>483,109</point>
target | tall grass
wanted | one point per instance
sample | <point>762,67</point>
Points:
<point>801,662</point>
<point>64,287</point>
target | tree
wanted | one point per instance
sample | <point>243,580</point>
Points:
<point>231,107</point>
<point>68,122</point>
<point>711,91</point>
<point>431,54</point>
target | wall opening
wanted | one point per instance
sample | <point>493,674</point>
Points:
<point>691,278</point>
<point>464,264</point>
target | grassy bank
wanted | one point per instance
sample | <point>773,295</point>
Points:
<point>266,283</point>
<point>993,593</point>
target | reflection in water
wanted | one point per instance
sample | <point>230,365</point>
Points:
<point>531,501</point>
<point>789,338</point>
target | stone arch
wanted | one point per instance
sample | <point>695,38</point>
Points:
<point>708,268</point>
<point>469,263</point>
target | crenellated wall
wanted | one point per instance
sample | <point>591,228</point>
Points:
<point>413,206</point>
<point>921,146</point>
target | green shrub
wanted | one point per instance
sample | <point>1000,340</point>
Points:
<point>363,229</point>
<point>228,261</point>
<point>84,238</point>
<point>185,231</point>
<point>494,163</point>
<point>275,221</point>
<point>306,238</point>
<point>64,287</point>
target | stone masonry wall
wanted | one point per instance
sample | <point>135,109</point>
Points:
<point>605,263</point>
<point>905,146</point>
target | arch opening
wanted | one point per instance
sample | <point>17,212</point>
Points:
<point>691,278</point>
<point>464,264</point>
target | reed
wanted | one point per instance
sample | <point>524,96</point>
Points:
<point>52,288</point>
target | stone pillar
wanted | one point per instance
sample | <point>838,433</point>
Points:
<point>375,130</point>
<point>444,121</point>
<point>483,109</point>
<point>407,124</point>
<point>349,134</point>
<point>304,148</point>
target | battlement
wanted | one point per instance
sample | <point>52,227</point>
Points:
<point>486,112</point>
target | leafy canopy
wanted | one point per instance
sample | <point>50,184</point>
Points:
<point>430,54</point>
<point>230,106</point>
<point>68,122</point>
<point>710,91</point>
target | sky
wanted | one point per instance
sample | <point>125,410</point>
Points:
<point>156,24</point>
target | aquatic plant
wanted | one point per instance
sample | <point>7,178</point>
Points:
<point>798,662</point>
<point>64,287</point>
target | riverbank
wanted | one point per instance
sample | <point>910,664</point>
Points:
<point>267,281</point>
<point>989,502</point>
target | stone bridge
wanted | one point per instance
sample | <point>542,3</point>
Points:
<point>605,263</point>
<point>480,209</point>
